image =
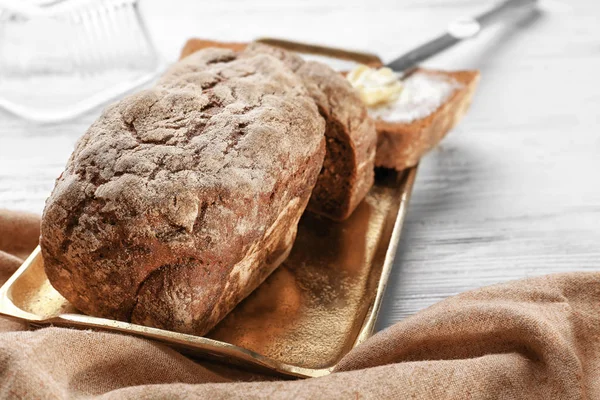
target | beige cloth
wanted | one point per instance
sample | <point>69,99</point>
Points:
<point>533,339</point>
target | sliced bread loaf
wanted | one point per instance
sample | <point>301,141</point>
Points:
<point>347,173</point>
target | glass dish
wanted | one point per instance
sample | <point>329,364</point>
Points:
<point>59,59</point>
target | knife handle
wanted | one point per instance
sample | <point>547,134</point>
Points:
<point>503,9</point>
<point>459,30</point>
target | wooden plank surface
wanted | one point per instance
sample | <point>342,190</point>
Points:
<point>513,191</point>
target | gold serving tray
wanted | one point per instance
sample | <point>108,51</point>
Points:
<point>301,321</point>
<point>320,303</point>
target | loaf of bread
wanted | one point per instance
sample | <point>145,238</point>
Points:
<point>181,199</point>
<point>347,173</point>
<point>401,145</point>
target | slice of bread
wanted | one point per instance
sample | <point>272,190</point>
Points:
<point>401,145</point>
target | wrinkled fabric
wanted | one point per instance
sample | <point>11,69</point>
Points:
<point>537,338</point>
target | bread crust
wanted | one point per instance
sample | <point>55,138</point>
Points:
<point>181,199</point>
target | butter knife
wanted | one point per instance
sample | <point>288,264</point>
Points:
<point>459,30</point>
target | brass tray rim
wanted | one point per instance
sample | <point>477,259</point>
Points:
<point>10,310</point>
<point>366,331</point>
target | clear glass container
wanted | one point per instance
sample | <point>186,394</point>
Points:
<point>61,58</point>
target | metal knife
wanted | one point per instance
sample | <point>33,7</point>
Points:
<point>459,30</point>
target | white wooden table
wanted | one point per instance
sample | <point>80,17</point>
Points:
<point>513,191</point>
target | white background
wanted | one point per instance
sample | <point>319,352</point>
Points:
<point>513,192</point>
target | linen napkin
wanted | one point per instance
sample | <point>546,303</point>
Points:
<point>537,338</point>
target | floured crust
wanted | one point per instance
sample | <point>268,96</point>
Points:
<point>181,199</point>
<point>347,173</point>
<point>401,145</point>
